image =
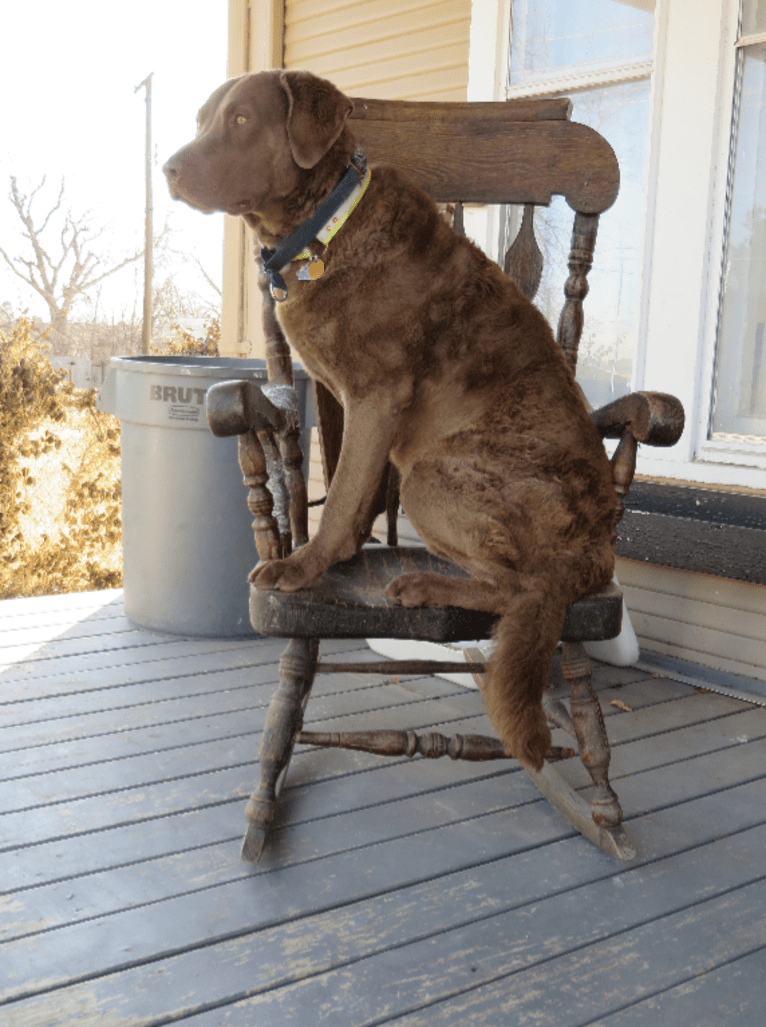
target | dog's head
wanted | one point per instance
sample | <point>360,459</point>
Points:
<point>256,136</point>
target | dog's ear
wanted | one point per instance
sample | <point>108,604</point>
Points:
<point>316,115</point>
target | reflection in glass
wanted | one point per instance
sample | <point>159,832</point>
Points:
<point>753,17</point>
<point>740,389</point>
<point>605,363</point>
<point>553,37</point>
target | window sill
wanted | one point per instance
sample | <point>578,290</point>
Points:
<point>696,529</point>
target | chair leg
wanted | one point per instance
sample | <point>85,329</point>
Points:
<point>600,821</point>
<point>590,731</point>
<point>283,722</point>
<point>594,751</point>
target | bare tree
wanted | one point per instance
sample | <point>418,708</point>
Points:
<point>71,271</point>
<point>193,304</point>
<point>213,285</point>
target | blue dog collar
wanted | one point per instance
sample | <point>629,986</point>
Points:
<point>355,178</point>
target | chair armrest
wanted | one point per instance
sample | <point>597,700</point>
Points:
<point>654,418</point>
<point>262,416</point>
<point>237,407</point>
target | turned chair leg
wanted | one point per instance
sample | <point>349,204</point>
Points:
<point>283,722</point>
<point>600,821</point>
<point>588,721</point>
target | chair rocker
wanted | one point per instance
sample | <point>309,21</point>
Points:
<point>519,152</point>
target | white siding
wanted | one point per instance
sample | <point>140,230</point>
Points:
<point>715,622</point>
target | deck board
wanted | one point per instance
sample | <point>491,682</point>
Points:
<point>405,892</point>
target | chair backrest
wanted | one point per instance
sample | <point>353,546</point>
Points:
<point>520,152</point>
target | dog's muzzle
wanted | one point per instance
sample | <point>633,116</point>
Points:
<point>172,170</point>
<point>172,174</point>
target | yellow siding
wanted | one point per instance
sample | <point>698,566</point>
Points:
<point>390,49</point>
<point>715,622</point>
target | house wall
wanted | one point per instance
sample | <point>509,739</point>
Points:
<point>715,622</point>
<point>415,49</point>
<point>388,49</point>
<point>236,282</point>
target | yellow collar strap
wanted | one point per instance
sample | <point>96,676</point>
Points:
<point>339,218</point>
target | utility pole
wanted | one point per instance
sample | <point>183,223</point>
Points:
<point>146,330</point>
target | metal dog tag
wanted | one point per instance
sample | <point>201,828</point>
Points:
<point>311,271</point>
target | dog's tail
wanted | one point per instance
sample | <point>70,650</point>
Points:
<point>526,638</point>
<point>527,634</point>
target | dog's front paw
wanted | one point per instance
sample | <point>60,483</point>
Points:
<point>287,575</point>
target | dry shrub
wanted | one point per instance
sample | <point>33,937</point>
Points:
<point>186,343</point>
<point>60,488</point>
<point>59,477</point>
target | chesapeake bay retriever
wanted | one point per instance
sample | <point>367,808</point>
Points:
<point>442,366</point>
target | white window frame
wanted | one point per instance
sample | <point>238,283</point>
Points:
<point>724,451</point>
<point>685,215</point>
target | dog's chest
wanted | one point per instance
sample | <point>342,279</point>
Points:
<point>333,348</point>
<point>315,340</point>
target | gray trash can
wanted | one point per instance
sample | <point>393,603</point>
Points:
<point>187,533</point>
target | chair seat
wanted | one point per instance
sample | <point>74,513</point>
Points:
<point>349,601</point>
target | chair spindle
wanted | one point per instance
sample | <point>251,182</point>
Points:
<point>576,287</point>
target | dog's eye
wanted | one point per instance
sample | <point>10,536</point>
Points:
<point>241,119</point>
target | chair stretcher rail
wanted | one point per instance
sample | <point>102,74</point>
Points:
<point>403,667</point>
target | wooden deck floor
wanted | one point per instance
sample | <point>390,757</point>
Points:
<point>423,893</point>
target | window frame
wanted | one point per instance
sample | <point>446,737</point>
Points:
<point>712,451</point>
<point>573,82</point>
<point>675,350</point>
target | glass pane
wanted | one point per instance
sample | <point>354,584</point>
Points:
<point>753,17</point>
<point>740,392</point>
<point>554,37</point>
<point>605,361</point>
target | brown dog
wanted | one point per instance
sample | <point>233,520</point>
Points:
<point>441,365</point>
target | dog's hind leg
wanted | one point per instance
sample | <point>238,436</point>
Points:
<point>526,635</point>
<point>426,588</point>
<point>513,573</point>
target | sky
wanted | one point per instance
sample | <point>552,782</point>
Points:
<point>69,110</point>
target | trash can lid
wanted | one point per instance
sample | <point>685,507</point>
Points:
<point>169,390</point>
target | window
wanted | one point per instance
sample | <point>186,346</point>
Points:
<point>599,53</point>
<point>739,401</point>
<point>677,298</point>
<point>566,37</point>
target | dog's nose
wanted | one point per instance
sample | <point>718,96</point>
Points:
<point>172,171</point>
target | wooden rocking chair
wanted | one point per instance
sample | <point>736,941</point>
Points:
<point>520,152</point>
